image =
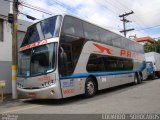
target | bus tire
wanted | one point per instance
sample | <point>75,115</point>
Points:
<point>153,76</point>
<point>140,77</point>
<point>157,74</point>
<point>90,87</point>
<point>136,79</point>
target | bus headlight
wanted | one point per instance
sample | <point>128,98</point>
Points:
<point>48,83</point>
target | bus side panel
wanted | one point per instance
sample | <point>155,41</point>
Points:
<point>103,82</point>
<point>72,87</point>
<point>127,78</point>
<point>108,81</point>
<point>114,80</point>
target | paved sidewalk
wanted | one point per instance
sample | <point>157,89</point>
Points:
<point>7,99</point>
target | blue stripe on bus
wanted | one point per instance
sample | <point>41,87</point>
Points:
<point>85,75</point>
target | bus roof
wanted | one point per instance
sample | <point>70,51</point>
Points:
<point>67,14</point>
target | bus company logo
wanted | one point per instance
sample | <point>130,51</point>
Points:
<point>69,83</point>
<point>68,91</point>
<point>103,49</point>
<point>129,54</point>
<point>34,45</point>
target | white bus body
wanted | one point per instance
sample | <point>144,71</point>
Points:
<point>83,63</point>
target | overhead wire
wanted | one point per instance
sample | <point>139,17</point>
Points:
<point>73,10</point>
<point>31,7</point>
<point>27,15</point>
<point>123,11</point>
<point>68,8</point>
<point>149,28</point>
<point>137,17</point>
<point>35,8</point>
<point>120,9</point>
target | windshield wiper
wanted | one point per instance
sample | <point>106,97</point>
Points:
<point>48,71</point>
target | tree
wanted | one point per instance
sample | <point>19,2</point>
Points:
<point>155,47</point>
<point>148,47</point>
<point>158,46</point>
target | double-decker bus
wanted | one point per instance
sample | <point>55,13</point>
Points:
<point>64,56</point>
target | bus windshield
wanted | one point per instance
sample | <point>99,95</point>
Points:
<point>44,29</point>
<point>37,61</point>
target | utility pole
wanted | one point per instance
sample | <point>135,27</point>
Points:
<point>132,36</point>
<point>14,49</point>
<point>123,16</point>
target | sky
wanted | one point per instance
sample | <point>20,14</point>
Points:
<point>104,13</point>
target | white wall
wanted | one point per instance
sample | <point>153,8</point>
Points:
<point>6,45</point>
<point>6,56</point>
<point>4,7</point>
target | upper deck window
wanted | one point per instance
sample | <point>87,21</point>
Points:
<point>90,31</point>
<point>45,29</point>
<point>72,26</point>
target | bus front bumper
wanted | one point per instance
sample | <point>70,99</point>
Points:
<point>51,92</point>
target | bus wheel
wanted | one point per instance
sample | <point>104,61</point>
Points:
<point>90,88</point>
<point>136,79</point>
<point>140,78</point>
<point>153,76</point>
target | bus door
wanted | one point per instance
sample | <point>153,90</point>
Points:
<point>66,61</point>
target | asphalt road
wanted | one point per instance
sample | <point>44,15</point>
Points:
<point>142,98</point>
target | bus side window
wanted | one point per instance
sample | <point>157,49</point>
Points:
<point>105,36</point>
<point>95,63</point>
<point>72,26</point>
<point>71,40</point>
<point>91,32</point>
<point>70,30</point>
<point>67,59</point>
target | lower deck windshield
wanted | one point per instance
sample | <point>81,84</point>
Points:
<point>37,61</point>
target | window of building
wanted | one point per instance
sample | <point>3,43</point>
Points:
<point>1,30</point>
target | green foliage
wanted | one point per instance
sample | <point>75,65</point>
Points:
<point>158,46</point>
<point>148,47</point>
